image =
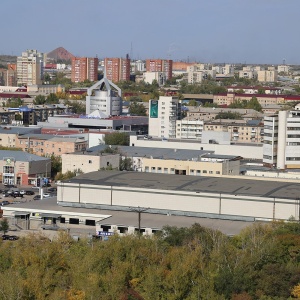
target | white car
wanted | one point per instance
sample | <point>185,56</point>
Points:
<point>23,192</point>
<point>46,195</point>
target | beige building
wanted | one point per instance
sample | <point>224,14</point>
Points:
<point>47,145</point>
<point>87,162</point>
<point>270,75</point>
<point>207,165</point>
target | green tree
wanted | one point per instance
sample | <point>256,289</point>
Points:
<point>125,164</point>
<point>4,225</point>
<point>39,100</point>
<point>14,102</point>
<point>137,109</point>
<point>52,99</point>
<point>254,104</point>
<point>56,165</point>
<point>117,138</point>
<point>229,115</point>
<point>76,106</point>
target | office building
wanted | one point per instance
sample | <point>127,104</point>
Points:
<point>30,68</point>
<point>117,69</point>
<point>84,68</point>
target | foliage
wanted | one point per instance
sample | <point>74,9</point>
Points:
<point>251,104</point>
<point>56,165</point>
<point>52,99</point>
<point>39,100</point>
<point>260,263</point>
<point>10,148</point>
<point>13,102</point>
<point>4,226</point>
<point>77,107</point>
<point>206,87</point>
<point>125,164</point>
<point>137,109</point>
<point>229,115</point>
<point>117,138</point>
<point>64,176</point>
<point>208,104</point>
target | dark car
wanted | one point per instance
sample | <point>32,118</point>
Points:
<point>29,193</point>
<point>52,190</point>
<point>4,202</point>
<point>37,197</point>
<point>5,237</point>
<point>13,237</point>
<point>17,194</point>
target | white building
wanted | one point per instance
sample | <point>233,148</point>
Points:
<point>269,75</point>
<point>189,129</point>
<point>160,77</point>
<point>163,114</point>
<point>281,142</point>
<point>283,68</point>
<point>105,98</point>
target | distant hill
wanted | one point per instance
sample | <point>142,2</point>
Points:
<point>5,59</point>
<point>60,54</point>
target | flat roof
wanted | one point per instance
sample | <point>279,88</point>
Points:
<point>234,186</point>
<point>123,218</point>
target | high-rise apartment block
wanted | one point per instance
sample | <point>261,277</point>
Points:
<point>30,68</point>
<point>84,68</point>
<point>163,114</point>
<point>8,77</point>
<point>160,65</point>
<point>117,69</point>
<point>281,140</point>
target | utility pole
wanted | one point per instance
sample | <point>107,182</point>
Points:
<point>139,210</point>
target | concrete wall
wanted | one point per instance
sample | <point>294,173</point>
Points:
<point>246,151</point>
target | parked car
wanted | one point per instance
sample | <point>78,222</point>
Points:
<point>46,195</point>
<point>37,197</point>
<point>4,202</point>
<point>5,195</point>
<point>23,192</point>
<point>17,194</point>
<point>13,237</point>
<point>52,190</point>
<point>147,137</point>
<point>35,187</point>
<point>29,193</point>
<point>5,237</point>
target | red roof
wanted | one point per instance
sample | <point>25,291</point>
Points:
<point>14,95</point>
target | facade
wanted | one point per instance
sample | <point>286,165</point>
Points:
<point>45,89</point>
<point>18,167</point>
<point>84,68</point>
<point>283,69</point>
<point>160,65</point>
<point>267,75</point>
<point>117,69</point>
<point>47,145</point>
<point>160,77</point>
<point>104,98</point>
<point>163,114</point>
<point>255,89</point>
<point>188,128</point>
<point>8,77</point>
<point>281,144</point>
<point>89,162</point>
<point>30,68</point>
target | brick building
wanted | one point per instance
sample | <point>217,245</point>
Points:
<point>160,65</point>
<point>84,68</point>
<point>117,69</point>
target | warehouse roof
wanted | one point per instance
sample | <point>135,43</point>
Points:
<point>20,156</point>
<point>198,184</point>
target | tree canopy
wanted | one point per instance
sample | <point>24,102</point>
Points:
<point>117,138</point>
<point>137,109</point>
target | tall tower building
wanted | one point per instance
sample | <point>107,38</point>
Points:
<point>30,68</point>
<point>84,68</point>
<point>160,65</point>
<point>163,114</point>
<point>117,69</point>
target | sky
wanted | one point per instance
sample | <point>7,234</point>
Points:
<point>211,31</point>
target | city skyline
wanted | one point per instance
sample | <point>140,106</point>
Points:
<point>227,31</point>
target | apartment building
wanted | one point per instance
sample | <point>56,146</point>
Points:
<point>8,77</point>
<point>283,69</point>
<point>30,68</point>
<point>270,75</point>
<point>117,69</point>
<point>189,128</point>
<point>160,65</point>
<point>281,144</point>
<point>84,68</point>
<point>240,131</point>
<point>47,145</point>
<point>160,77</point>
<point>163,114</point>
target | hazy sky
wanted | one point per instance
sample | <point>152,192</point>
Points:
<point>251,31</point>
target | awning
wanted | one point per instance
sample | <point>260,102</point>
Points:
<point>53,216</point>
<point>21,213</point>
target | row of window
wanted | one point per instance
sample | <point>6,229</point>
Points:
<point>172,171</point>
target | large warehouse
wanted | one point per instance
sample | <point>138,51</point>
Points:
<point>214,197</point>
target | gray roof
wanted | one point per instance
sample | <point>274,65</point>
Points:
<point>238,186</point>
<point>164,153</point>
<point>54,138</point>
<point>18,130</point>
<point>20,156</point>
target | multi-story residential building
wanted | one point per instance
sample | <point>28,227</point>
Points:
<point>241,131</point>
<point>281,144</point>
<point>189,128</point>
<point>84,68</point>
<point>137,66</point>
<point>8,77</point>
<point>117,69</point>
<point>163,114</point>
<point>47,145</point>
<point>104,98</point>
<point>160,77</point>
<point>30,68</point>
<point>248,74</point>
<point>283,69</point>
<point>45,89</point>
<point>270,75</point>
<point>199,76</point>
<point>263,99</point>
<point>160,65</point>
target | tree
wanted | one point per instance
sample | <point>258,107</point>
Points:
<point>229,115</point>
<point>39,100</point>
<point>125,164</point>
<point>254,104</point>
<point>117,138</point>
<point>56,165</point>
<point>52,99</point>
<point>4,226</point>
<point>137,109</point>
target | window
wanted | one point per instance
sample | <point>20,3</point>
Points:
<point>204,171</point>
<point>90,161</point>
<point>59,149</point>
<point>146,169</point>
<point>198,172</point>
<point>217,172</point>
<point>192,172</point>
<point>73,221</point>
<point>211,172</point>
<point>172,171</point>
<point>153,169</point>
<point>166,170</point>
<point>158,169</point>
